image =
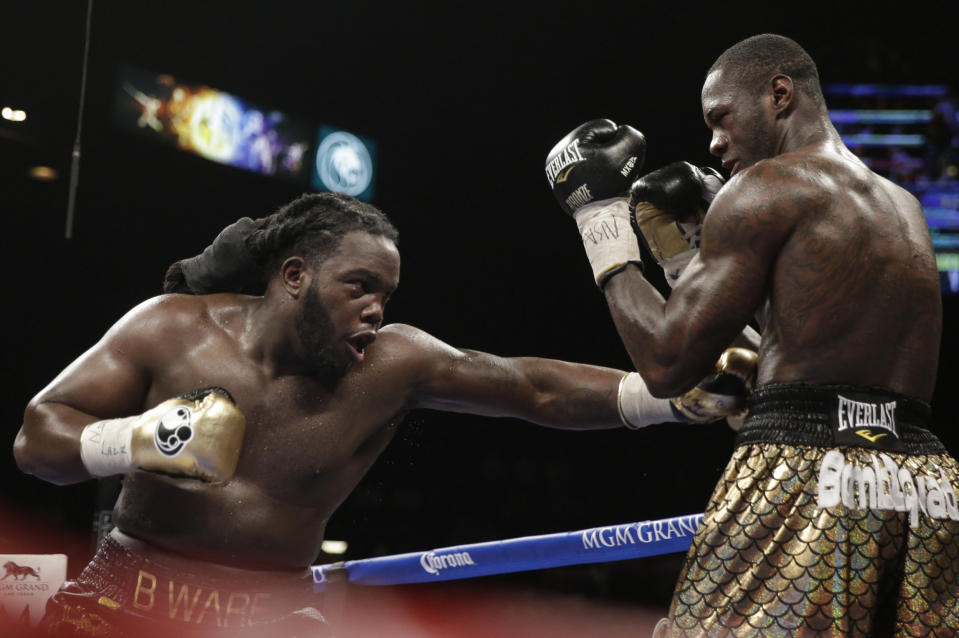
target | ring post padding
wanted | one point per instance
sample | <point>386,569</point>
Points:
<point>593,545</point>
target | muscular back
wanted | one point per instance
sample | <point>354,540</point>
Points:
<point>853,291</point>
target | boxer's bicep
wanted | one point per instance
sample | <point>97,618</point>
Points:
<point>103,382</point>
<point>474,382</point>
<point>112,377</point>
<point>741,240</point>
<point>710,310</point>
<point>674,343</point>
<point>460,380</point>
<point>544,391</point>
<point>108,380</point>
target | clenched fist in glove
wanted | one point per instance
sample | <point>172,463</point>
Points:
<point>590,172</point>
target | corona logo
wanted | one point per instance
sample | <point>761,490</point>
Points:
<point>432,564</point>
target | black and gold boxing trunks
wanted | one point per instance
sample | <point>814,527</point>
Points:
<point>836,516</point>
<point>128,592</point>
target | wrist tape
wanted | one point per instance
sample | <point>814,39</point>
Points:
<point>638,408</point>
<point>607,237</point>
<point>106,447</point>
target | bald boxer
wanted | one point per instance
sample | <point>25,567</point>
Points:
<point>837,514</point>
<point>240,422</point>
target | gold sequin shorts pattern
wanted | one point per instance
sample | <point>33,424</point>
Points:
<point>807,535</point>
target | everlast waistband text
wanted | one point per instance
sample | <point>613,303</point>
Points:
<point>859,414</point>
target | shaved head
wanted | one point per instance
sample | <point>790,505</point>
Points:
<point>750,64</point>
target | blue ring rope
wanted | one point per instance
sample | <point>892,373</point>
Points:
<point>593,545</point>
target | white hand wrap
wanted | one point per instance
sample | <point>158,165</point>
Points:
<point>106,447</point>
<point>607,236</point>
<point>673,267</point>
<point>638,408</point>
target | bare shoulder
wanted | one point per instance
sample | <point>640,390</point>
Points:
<point>159,315</point>
<point>408,357</point>
<point>759,207</point>
<point>171,323</point>
<point>900,195</point>
<point>401,332</point>
<point>426,357</point>
<point>773,188</point>
<point>411,343</point>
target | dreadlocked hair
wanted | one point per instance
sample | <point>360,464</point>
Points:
<point>312,226</point>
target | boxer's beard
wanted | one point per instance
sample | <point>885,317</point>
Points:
<point>315,330</point>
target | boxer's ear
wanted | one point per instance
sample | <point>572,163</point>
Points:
<point>781,91</point>
<point>296,275</point>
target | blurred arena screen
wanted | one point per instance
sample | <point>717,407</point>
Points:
<point>229,130</point>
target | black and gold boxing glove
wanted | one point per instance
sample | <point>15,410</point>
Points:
<point>723,393</point>
<point>590,172</point>
<point>668,207</point>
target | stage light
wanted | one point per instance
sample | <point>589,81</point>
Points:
<point>12,114</point>
<point>334,547</point>
<point>880,116</point>
<point>884,139</point>
<point>43,173</point>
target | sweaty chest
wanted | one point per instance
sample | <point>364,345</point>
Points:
<point>310,451</point>
<point>301,438</point>
<point>297,432</point>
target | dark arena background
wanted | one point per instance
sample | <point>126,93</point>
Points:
<point>458,105</point>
